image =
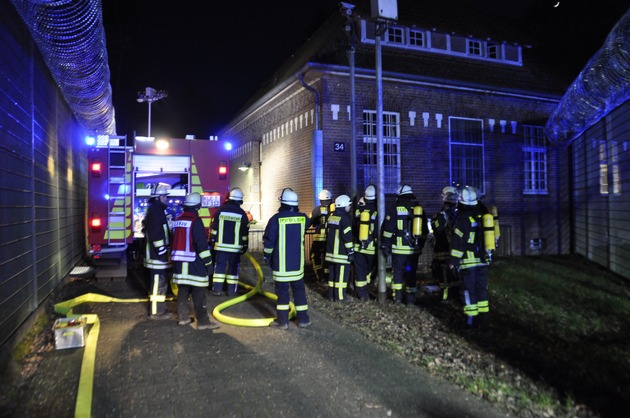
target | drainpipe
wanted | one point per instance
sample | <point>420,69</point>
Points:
<point>317,158</point>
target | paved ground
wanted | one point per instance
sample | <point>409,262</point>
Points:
<point>159,369</point>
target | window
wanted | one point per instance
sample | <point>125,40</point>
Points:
<point>492,50</point>
<point>466,151</point>
<point>535,160</point>
<point>394,35</point>
<point>417,38</point>
<point>391,149</point>
<point>474,47</point>
<point>609,167</point>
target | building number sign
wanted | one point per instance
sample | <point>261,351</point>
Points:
<point>340,146</point>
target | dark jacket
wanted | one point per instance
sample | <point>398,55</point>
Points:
<point>157,236</point>
<point>339,239</point>
<point>396,231</point>
<point>283,243</point>
<point>230,229</point>
<point>467,246</point>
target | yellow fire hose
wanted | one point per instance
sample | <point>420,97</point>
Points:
<point>253,322</point>
<point>83,407</point>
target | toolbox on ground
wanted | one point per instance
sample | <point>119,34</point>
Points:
<point>70,332</point>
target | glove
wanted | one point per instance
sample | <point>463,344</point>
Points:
<point>351,257</point>
<point>386,251</point>
<point>210,270</point>
<point>243,249</point>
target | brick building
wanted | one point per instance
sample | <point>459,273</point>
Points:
<point>465,101</point>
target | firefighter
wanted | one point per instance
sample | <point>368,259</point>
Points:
<point>318,246</point>
<point>442,224</point>
<point>228,240</point>
<point>339,248</point>
<point>192,264</point>
<point>469,256</point>
<point>365,241</point>
<point>283,242</point>
<point>403,234</point>
<point>157,237</point>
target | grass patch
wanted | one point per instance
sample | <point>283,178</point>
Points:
<point>25,346</point>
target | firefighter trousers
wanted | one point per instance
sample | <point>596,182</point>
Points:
<point>364,268</point>
<point>157,292</point>
<point>475,291</point>
<point>299,300</point>
<point>404,280</point>
<point>338,281</point>
<point>226,270</point>
<point>199,299</point>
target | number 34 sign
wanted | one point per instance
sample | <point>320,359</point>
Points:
<point>340,146</point>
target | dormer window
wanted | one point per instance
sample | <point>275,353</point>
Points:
<point>444,43</point>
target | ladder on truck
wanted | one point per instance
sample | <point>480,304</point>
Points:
<point>118,203</point>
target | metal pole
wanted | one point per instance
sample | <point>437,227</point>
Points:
<point>353,125</point>
<point>380,167</point>
<point>149,129</point>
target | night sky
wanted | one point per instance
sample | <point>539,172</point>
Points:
<point>212,56</point>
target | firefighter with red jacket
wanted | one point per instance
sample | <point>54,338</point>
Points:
<point>403,234</point>
<point>365,241</point>
<point>192,263</point>
<point>228,240</point>
<point>469,256</point>
<point>283,247</point>
<point>318,246</point>
<point>339,248</point>
<point>157,237</point>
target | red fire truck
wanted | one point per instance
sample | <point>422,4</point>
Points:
<point>122,178</point>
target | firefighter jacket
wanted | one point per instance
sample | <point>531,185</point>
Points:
<point>467,246</point>
<point>156,236</point>
<point>230,229</point>
<point>283,244</point>
<point>339,239</point>
<point>318,221</point>
<point>190,253</point>
<point>369,246</point>
<point>442,224</point>
<point>396,231</point>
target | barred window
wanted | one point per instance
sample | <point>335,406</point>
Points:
<point>466,149</point>
<point>535,160</point>
<point>391,149</point>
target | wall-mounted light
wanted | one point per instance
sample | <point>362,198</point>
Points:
<point>245,166</point>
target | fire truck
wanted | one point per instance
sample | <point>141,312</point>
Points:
<point>122,178</point>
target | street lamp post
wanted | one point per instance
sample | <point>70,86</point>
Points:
<point>150,95</point>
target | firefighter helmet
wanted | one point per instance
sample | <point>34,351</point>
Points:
<point>236,194</point>
<point>342,201</point>
<point>324,195</point>
<point>468,196</point>
<point>370,192</point>
<point>404,189</point>
<point>162,189</point>
<point>192,200</point>
<point>289,197</point>
<point>450,194</point>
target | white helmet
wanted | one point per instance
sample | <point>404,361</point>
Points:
<point>404,190</point>
<point>450,194</point>
<point>162,189</point>
<point>192,199</point>
<point>236,194</point>
<point>324,195</point>
<point>468,196</point>
<point>289,197</point>
<point>342,201</point>
<point>370,192</point>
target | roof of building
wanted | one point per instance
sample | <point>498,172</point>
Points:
<point>540,74</point>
